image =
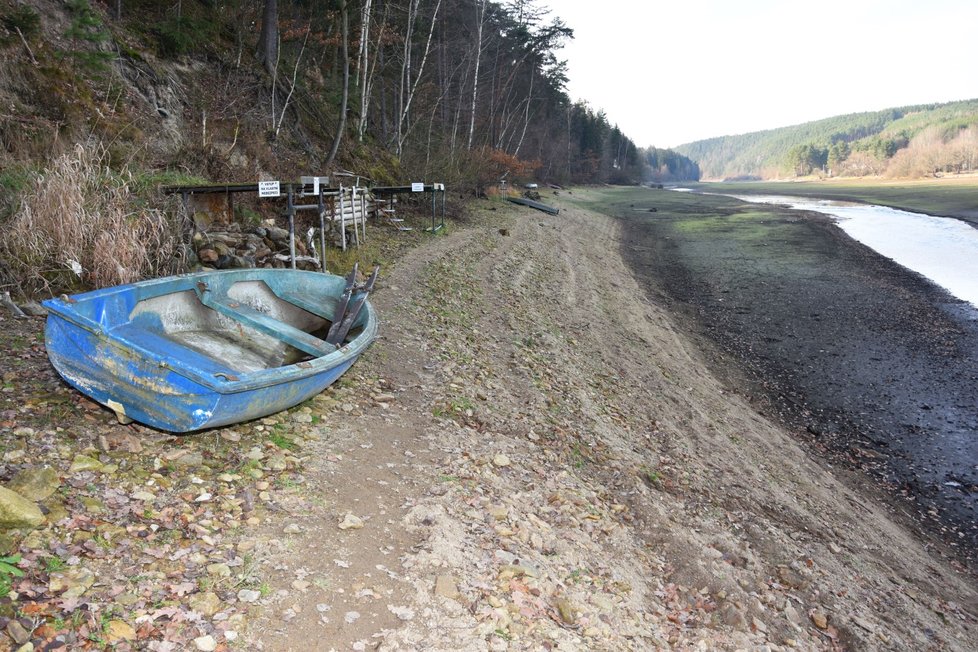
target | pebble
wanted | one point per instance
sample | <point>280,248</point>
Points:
<point>119,630</point>
<point>207,603</point>
<point>219,569</point>
<point>501,460</point>
<point>566,610</point>
<point>205,643</point>
<point>402,613</point>
<point>248,595</point>
<point>820,619</point>
<point>446,587</point>
<point>17,632</point>
<point>84,463</point>
<point>351,522</point>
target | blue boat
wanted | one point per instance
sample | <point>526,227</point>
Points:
<point>212,348</point>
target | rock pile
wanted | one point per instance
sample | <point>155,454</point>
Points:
<point>237,247</point>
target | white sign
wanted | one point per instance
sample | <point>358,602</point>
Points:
<point>417,187</point>
<point>268,189</point>
<point>315,182</point>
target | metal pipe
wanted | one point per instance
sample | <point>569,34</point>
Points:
<point>291,212</point>
<point>322,232</point>
<point>342,221</point>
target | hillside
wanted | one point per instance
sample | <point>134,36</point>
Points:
<point>911,141</point>
<point>129,96</point>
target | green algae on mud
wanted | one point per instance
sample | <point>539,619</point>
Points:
<point>949,197</point>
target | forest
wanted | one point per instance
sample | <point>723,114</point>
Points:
<point>906,142</point>
<point>465,91</point>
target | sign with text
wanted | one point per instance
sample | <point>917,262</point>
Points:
<point>269,189</point>
<point>417,187</point>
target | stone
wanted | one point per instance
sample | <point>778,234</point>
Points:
<point>277,463</point>
<point>566,610</point>
<point>501,460</point>
<point>446,587</point>
<point>499,512</point>
<point>84,463</point>
<point>35,484</point>
<point>92,505</point>
<point>205,643</point>
<point>248,595</point>
<point>18,512</point>
<point>351,522</point>
<point>792,615</point>
<point>73,582</point>
<point>733,617</point>
<point>190,460</point>
<point>119,630</point>
<point>219,570</point>
<point>206,604</point>
<point>17,632</point>
<point>820,619</point>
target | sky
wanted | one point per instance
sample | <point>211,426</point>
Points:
<point>672,72</point>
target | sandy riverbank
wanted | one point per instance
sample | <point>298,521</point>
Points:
<point>561,468</point>
<point>534,455</point>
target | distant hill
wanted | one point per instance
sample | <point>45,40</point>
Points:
<point>910,141</point>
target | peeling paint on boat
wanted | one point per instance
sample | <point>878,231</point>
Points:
<point>155,353</point>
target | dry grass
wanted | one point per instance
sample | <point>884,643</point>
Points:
<point>80,226</point>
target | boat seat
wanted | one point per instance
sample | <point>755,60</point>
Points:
<point>263,323</point>
<point>325,311</point>
<point>155,344</point>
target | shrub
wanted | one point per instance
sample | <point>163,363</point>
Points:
<point>23,19</point>
<point>78,226</point>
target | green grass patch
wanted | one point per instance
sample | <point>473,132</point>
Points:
<point>953,197</point>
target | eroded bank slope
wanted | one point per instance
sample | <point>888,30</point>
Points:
<point>537,457</point>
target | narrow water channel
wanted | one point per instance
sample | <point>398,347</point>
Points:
<point>943,249</point>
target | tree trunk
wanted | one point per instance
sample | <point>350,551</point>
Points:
<point>409,88</point>
<point>480,17</point>
<point>345,17</point>
<point>268,39</point>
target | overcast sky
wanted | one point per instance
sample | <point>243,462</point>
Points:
<point>676,71</point>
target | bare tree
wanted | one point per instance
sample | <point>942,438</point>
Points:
<point>268,39</point>
<point>409,88</point>
<point>345,19</point>
<point>480,19</point>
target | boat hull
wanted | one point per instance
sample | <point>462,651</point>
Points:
<point>133,359</point>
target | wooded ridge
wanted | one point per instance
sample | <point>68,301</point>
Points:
<point>911,141</point>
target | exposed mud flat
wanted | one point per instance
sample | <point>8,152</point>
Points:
<point>859,354</point>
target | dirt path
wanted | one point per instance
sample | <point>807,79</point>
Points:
<point>538,459</point>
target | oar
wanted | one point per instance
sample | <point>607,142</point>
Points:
<point>352,312</point>
<point>344,301</point>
